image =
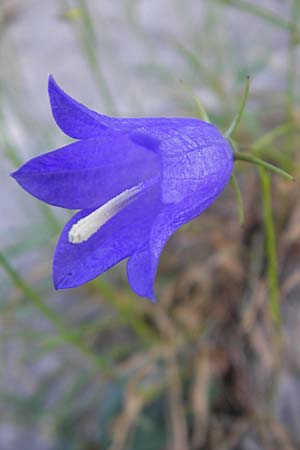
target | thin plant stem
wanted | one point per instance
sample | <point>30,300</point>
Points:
<point>202,113</point>
<point>235,123</point>
<point>268,138</point>
<point>30,294</point>
<point>239,199</point>
<point>193,60</point>
<point>176,410</point>
<point>239,156</point>
<point>260,12</point>
<point>127,311</point>
<point>201,110</point>
<point>12,155</point>
<point>89,45</point>
<point>292,75</point>
<point>272,264</point>
<point>67,335</point>
<point>273,282</point>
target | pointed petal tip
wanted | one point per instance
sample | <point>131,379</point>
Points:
<point>147,293</point>
<point>153,299</point>
<point>52,82</point>
<point>17,176</point>
<point>14,174</point>
<point>56,286</point>
<point>59,284</point>
<point>72,117</point>
<point>61,279</point>
<point>141,276</point>
<point>63,282</point>
<point>51,85</point>
<point>53,89</point>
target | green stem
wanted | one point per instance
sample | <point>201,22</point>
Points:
<point>239,156</point>
<point>67,335</point>
<point>260,12</point>
<point>292,73</point>
<point>271,250</point>
<point>89,44</point>
<point>268,138</point>
<point>12,155</point>
<point>201,110</point>
<point>239,198</point>
<point>127,311</point>
<point>30,294</point>
<point>235,123</point>
<point>212,81</point>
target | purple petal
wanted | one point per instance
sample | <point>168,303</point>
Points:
<point>75,264</point>
<point>74,119</point>
<point>193,158</point>
<point>80,122</point>
<point>142,265</point>
<point>141,271</point>
<point>87,173</point>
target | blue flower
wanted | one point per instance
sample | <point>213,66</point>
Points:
<point>135,181</point>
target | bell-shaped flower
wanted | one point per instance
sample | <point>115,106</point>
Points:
<point>135,182</point>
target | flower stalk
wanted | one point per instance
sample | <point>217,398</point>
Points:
<point>239,199</point>
<point>239,156</point>
<point>235,123</point>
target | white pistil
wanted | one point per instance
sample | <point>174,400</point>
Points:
<point>83,229</point>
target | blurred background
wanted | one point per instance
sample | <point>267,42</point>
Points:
<point>215,364</point>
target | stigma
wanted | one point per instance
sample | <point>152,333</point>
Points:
<point>87,226</point>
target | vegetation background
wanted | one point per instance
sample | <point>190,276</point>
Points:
<point>215,363</point>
